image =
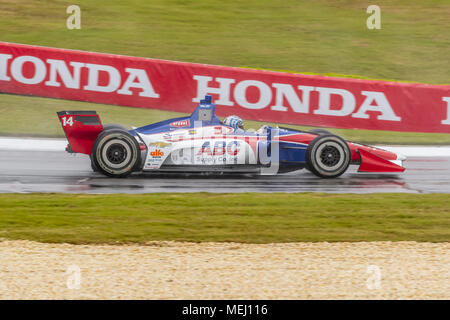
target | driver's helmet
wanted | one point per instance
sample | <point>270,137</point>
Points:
<point>234,121</point>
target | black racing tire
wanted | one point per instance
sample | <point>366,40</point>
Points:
<point>116,153</point>
<point>93,165</point>
<point>111,126</point>
<point>320,131</point>
<point>328,156</point>
<point>106,127</point>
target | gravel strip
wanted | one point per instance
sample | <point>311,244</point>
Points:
<point>177,270</point>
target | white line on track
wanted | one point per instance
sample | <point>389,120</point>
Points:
<point>419,151</point>
<point>32,144</point>
<point>49,144</point>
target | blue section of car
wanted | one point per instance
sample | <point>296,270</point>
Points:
<point>292,152</point>
<point>203,115</point>
<point>204,108</point>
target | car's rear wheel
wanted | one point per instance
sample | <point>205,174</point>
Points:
<point>111,126</point>
<point>320,131</point>
<point>105,128</point>
<point>115,153</point>
<point>93,165</point>
<point>328,156</point>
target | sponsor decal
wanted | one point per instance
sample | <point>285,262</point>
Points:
<point>223,130</point>
<point>181,123</point>
<point>157,153</point>
<point>175,136</point>
<point>233,148</point>
<point>274,97</point>
<point>159,144</point>
<point>206,148</point>
<point>85,76</point>
<point>219,148</point>
<point>252,94</point>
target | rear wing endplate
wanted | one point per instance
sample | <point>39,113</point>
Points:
<point>81,129</point>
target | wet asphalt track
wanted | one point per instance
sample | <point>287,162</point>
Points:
<point>57,171</point>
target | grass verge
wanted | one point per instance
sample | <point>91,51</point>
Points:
<point>34,116</point>
<point>321,36</point>
<point>247,218</point>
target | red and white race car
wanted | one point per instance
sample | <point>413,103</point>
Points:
<point>202,143</point>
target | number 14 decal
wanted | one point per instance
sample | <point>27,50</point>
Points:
<point>67,121</point>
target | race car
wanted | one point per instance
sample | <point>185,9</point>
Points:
<point>202,143</point>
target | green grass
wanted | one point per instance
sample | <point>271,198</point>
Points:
<point>248,218</point>
<point>33,116</point>
<point>322,36</point>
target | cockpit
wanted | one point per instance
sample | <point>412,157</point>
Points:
<point>204,113</point>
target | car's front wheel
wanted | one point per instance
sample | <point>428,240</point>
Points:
<point>328,156</point>
<point>115,153</point>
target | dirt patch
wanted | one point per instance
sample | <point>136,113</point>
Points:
<point>175,270</point>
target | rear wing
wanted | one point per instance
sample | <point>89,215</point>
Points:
<point>81,129</point>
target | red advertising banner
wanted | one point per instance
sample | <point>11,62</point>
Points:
<point>251,94</point>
